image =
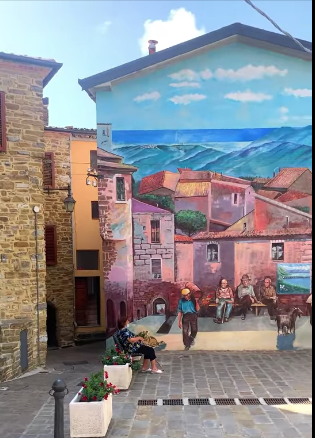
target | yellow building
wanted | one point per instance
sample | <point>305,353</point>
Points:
<point>88,259</point>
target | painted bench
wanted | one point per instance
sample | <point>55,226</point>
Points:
<point>256,306</point>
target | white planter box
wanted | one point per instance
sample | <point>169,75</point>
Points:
<point>119,375</point>
<point>89,420</point>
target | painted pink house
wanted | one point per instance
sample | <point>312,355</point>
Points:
<point>115,211</point>
<point>153,243</point>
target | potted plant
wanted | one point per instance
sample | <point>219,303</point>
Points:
<point>118,367</point>
<point>91,409</point>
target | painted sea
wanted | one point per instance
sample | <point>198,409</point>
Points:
<point>294,278</point>
<point>238,152</point>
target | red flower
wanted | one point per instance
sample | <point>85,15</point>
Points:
<point>101,384</point>
<point>84,398</point>
<point>106,397</point>
<point>84,386</point>
<point>79,393</point>
<point>117,391</point>
<point>108,358</point>
<point>115,363</point>
<point>86,379</point>
<point>106,375</point>
<point>95,398</point>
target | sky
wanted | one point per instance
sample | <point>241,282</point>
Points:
<point>89,37</point>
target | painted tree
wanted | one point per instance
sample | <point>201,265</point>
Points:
<point>190,222</point>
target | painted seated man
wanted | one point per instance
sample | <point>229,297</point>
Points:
<point>225,301</point>
<point>269,297</point>
<point>246,295</point>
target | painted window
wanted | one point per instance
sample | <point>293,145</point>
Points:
<point>235,197</point>
<point>213,252</point>
<point>155,231</point>
<point>277,251</point>
<point>95,210</point>
<point>156,269</point>
<point>88,260</point>
<point>120,189</point>
<point>93,160</point>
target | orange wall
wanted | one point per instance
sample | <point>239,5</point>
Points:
<point>86,229</point>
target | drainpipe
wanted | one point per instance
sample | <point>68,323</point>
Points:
<point>73,232</point>
<point>36,211</point>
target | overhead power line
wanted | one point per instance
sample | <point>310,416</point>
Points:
<point>250,3</point>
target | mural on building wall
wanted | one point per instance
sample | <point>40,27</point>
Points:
<point>220,158</point>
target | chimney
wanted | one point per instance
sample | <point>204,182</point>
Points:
<point>45,101</point>
<point>152,46</point>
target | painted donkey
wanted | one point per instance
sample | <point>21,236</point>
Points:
<point>287,323</point>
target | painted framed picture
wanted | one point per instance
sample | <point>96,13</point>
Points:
<point>294,278</point>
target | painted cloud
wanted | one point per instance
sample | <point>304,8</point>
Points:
<point>248,96</point>
<point>155,95</point>
<point>249,73</point>
<point>186,99</point>
<point>301,92</point>
<point>185,84</point>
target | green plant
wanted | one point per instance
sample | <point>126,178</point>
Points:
<point>115,356</point>
<point>95,389</point>
<point>190,222</point>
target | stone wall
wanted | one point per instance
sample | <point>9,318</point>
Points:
<point>20,191</point>
<point>60,278</point>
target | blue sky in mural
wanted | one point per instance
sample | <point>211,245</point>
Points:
<point>248,87</point>
<point>92,36</point>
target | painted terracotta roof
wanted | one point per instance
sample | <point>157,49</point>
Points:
<point>270,194</point>
<point>195,175</point>
<point>118,166</point>
<point>292,195</point>
<point>160,180</point>
<point>286,177</point>
<point>250,234</point>
<point>261,180</point>
<point>41,62</point>
<point>142,207</point>
<point>229,186</point>
<point>189,189</point>
<point>183,239</point>
<point>105,155</point>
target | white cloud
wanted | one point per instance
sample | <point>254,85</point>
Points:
<point>155,95</point>
<point>284,113</point>
<point>103,28</point>
<point>206,74</point>
<point>285,116</point>
<point>248,96</point>
<point>249,73</point>
<point>186,99</point>
<point>301,92</point>
<point>185,84</point>
<point>184,75</point>
<point>179,27</point>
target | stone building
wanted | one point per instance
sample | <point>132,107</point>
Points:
<point>23,340</point>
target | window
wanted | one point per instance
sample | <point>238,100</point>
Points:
<point>245,226</point>
<point>51,245</point>
<point>87,260</point>
<point>93,160</point>
<point>95,210</point>
<point>123,309</point>
<point>235,198</point>
<point>3,133</point>
<point>213,253</point>
<point>155,232</point>
<point>156,269</point>
<point>277,252</point>
<point>120,189</point>
<point>49,170</point>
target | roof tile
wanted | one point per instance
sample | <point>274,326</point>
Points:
<point>249,234</point>
<point>286,177</point>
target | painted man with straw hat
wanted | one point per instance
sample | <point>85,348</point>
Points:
<point>188,309</point>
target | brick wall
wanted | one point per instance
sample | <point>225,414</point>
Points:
<point>60,278</point>
<point>20,191</point>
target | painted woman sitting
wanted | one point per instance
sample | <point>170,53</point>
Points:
<point>224,299</point>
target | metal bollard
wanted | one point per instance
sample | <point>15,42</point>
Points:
<point>59,391</point>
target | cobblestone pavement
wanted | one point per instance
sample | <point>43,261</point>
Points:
<point>26,410</point>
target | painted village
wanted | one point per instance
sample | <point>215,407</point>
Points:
<point>198,175</point>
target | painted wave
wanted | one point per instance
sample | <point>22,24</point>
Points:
<point>251,153</point>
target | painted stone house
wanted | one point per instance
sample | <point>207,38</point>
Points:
<point>206,123</point>
<point>23,340</point>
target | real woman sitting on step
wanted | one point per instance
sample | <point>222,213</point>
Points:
<point>224,297</point>
<point>135,345</point>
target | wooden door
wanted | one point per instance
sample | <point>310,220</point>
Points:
<point>81,300</point>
